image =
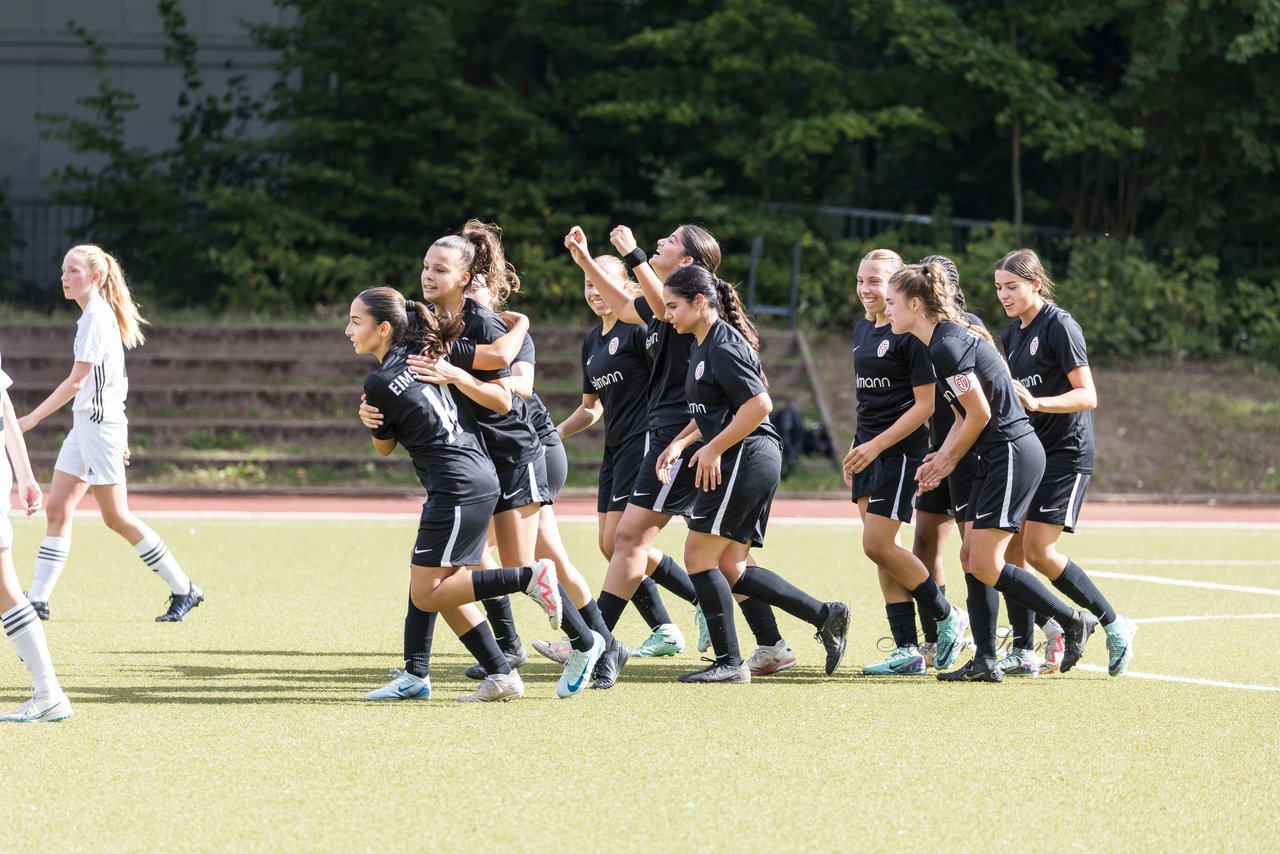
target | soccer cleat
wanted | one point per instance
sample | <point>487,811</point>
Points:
<point>771,659</point>
<point>610,665</point>
<point>1077,635</point>
<point>929,650</point>
<point>666,639</point>
<point>1055,645</point>
<point>950,631</point>
<point>704,633</point>
<point>403,685</point>
<point>557,651</point>
<point>1020,662</point>
<point>40,710</point>
<point>544,588</point>
<point>497,687</point>
<point>728,674</point>
<point>1119,644</point>
<point>181,603</point>
<point>516,657</point>
<point>980,669</point>
<point>833,634</point>
<point>906,660</point>
<point>41,609</point>
<point>578,669</point>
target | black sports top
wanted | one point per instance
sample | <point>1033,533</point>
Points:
<point>668,354</point>
<point>615,368</point>
<point>963,359</point>
<point>888,369</point>
<point>943,418</point>
<point>538,414</point>
<point>724,373</point>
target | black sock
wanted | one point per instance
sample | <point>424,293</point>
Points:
<point>580,637</point>
<point>717,606</point>
<point>591,614</point>
<point>492,583</point>
<point>764,626</point>
<point>1022,624</point>
<point>769,587</point>
<point>1079,588</point>
<point>902,622</point>
<point>419,627</point>
<point>611,608</point>
<point>984,605</point>
<point>481,644</point>
<point>649,604</point>
<point>502,620</point>
<point>672,576</point>
<point>928,625</point>
<point>929,596</point>
<point>1041,619</point>
<point>1021,586</point>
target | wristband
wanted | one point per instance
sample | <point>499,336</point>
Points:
<point>634,258</point>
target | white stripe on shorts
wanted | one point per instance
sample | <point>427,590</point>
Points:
<point>897,493</point>
<point>1008,487</point>
<point>728,493</point>
<point>533,478</point>
<point>447,558</point>
<point>1071,502</point>
<point>666,487</point>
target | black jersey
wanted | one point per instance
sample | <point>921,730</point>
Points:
<point>441,437</point>
<point>1040,357</point>
<point>943,418</point>
<point>539,416</point>
<point>510,439</point>
<point>888,368</point>
<point>963,358</point>
<point>615,368</point>
<point>668,354</point>
<point>724,373</point>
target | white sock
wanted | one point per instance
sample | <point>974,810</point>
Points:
<point>26,633</point>
<point>156,554</point>
<point>50,560</point>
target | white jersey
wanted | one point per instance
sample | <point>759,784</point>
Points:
<point>98,342</point>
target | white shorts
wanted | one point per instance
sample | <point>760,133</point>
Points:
<point>94,452</point>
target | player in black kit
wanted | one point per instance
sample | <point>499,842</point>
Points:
<point>990,420</point>
<point>1046,352</point>
<point>895,398</point>
<point>462,489</point>
<point>737,467</point>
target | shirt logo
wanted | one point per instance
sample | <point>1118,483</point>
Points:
<point>882,349</point>
<point>613,346</point>
<point>1035,345</point>
<point>961,382</point>
<point>697,372</point>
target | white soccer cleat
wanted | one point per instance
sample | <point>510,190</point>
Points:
<point>557,651</point>
<point>403,685</point>
<point>497,687</point>
<point>771,659</point>
<point>578,669</point>
<point>544,588</point>
<point>40,710</point>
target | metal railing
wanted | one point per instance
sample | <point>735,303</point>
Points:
<point>43,231</point>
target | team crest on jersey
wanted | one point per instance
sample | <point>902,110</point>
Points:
<point>697,372</point>
<point>1035,345</point>
<point>961,382</point>
<point>882,349</point>
<point>613,346</point>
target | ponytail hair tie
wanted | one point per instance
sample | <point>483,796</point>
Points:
<point>408,305</point>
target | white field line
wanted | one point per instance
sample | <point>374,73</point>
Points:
<point>1188,680</point>
<point>1155,561</point>
<point>1206,617</point>
<point>1183,582</point>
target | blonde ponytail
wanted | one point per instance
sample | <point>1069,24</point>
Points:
<point>115,291</point>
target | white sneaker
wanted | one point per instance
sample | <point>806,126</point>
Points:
<point>771,659</point>
<point>544,588</point>
<point>666,639</point>
<point>1021,662</point>
<point>557,651</point>
<point>497,687</point>
<point>578,669</point>
<point>1055,646</point>
<point>403,685</point>
<point>40,710</point>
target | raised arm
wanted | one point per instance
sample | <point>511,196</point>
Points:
<point>624,241</point>
<point>611,289</point>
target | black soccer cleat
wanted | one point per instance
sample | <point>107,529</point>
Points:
<point>41,609</point>
<point>833,634</point>
<point>516,657</point>
<point>180,604</point>
<point>729,674</point>
<point>610,665</point>
<point>1077,635</point>
<point>981,669</point>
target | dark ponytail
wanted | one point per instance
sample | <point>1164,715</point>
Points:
<point>480,246</point>
<point>413,325</point>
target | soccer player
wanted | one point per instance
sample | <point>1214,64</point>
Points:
<point>462,490</point>
<point>48,703</point>
<point>991,421</point>
<point>737,467</point>
<point>93,454</point>
<point>1046,352</point>
<point>895,391</point>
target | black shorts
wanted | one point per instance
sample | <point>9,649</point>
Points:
<point>960,486</point>
<point>936,501</point>
<point>1007,477</point>
<point>675,497</point>
<point>557,465</point>
<point>526,484</point>
<point>889,484</point>
<point>452,534</point>
<point>618,470</point>
<point>1059,498</point>
<point>739,509</point>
